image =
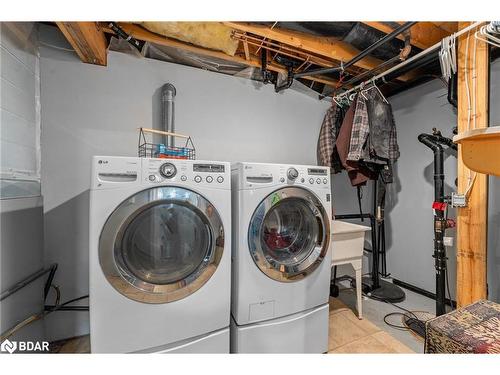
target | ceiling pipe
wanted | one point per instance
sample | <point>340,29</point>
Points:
<point>403,55</point>
<point>361,55</point>
<point>411,63</point>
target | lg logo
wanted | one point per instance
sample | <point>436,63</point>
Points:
<point>24,346</point>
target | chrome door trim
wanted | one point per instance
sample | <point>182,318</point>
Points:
<point>113,265</point>
<point>269,266</point>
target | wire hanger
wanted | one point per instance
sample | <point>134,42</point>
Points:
<point>448,56</point>
<point>485,33</point>
<point>374,86</point>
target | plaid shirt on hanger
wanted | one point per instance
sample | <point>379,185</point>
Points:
<point>328,136</point>
<point>393,141</point>
<point>360,131</point>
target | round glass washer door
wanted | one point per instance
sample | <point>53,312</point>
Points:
<point>288,234</point>
<point>161,244</point>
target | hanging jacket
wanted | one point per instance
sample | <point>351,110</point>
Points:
<point>327,136</point>
<point>358,174</point>
<point>360,131</point>
<point>382,139</point>
<point>326,151</point>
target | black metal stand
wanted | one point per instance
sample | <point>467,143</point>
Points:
<point>373,286</point>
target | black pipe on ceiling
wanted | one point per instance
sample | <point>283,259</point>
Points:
<point>362,54</point>
<point>357,34</point>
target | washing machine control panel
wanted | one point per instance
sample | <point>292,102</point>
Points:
<point>304,176</point>
<point>189,172</point>
<point>250,176</point>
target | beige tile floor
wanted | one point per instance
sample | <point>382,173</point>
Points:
<point>347,334</point>
<point>80,344</point>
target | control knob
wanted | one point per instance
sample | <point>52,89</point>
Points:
<point>292,173</point>
<point>168,170</point>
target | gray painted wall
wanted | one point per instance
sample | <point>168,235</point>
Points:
<point>90,110</point>
<point>409,198</point>
<point>21,213</point>
<point>410,217</point>
<point>19,110</point>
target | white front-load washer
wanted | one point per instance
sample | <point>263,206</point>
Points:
<point>160,253</point>
<point>281,258</point>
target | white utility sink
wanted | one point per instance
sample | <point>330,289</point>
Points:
<point>347,248</point>
<point>347,240</point>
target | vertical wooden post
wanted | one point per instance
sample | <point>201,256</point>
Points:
<point>472,220</point>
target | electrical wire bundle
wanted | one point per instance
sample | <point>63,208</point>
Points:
<point>47,308</point>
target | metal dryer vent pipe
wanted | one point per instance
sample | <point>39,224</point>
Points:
<point>168,93</point>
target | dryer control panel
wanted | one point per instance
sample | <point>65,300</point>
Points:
<point>190,172</point>
<point>255,175</point>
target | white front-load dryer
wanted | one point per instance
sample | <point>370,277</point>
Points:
<point>160,244</point>
<point>281,258</point>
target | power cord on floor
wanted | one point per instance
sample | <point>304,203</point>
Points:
<point>399,327</point>
<point>408,314</point>
<point>36,317</point>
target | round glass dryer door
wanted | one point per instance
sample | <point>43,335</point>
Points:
<point>161,244</point>
<point>288,234</point>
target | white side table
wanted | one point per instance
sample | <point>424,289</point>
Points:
<point>347,248</point>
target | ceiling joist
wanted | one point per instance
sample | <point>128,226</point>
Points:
<point>250,60</point>
<point>87,39</point>
<point>423,34</point>
<point>326,47</point>
<point>329,48</point>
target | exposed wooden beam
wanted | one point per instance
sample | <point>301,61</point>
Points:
<point>450,27</point>
<point>87,39</point>
<point>325,47</point>
<point>274,47</point>
<point>329,48</point>
<point>423,34</point>
<point>147,36</point>
<point>247,52</point>
<point>472,220</point>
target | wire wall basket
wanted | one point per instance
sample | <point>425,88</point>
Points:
<point>148,149</point>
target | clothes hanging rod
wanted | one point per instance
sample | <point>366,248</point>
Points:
<point>410,60</point>
<point>360,55</point>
